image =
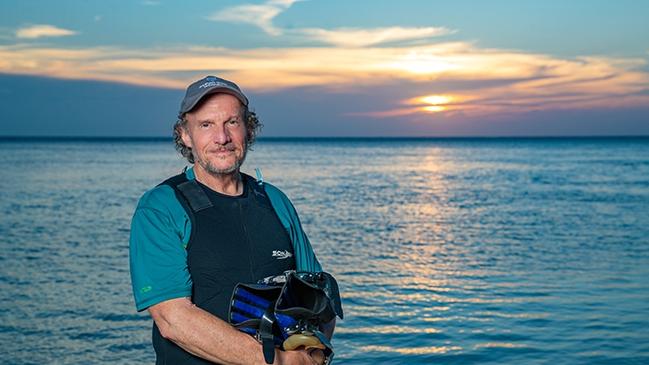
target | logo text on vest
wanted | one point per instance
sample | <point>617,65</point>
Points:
<point>281,255</point>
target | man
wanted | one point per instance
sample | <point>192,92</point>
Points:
<point>198,234</point>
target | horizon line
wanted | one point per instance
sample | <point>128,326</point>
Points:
<point>9,138</point>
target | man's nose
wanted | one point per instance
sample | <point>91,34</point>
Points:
<point>222,135</point>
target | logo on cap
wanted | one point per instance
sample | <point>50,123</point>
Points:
<point>213,83</point>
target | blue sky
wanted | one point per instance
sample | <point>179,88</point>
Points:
<point>330,68</point>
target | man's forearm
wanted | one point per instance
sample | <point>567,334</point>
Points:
<point>203,334</point>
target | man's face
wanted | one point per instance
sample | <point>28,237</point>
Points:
<point>216,133</point>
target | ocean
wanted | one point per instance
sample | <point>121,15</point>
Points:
<point>447,251</point>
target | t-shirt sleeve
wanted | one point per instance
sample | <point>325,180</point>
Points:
<point>157,253</point>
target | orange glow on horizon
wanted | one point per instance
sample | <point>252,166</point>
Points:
<point>434,108</point>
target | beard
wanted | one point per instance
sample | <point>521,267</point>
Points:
<point>208,166</point>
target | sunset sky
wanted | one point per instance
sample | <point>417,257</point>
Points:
<point>330,68</point>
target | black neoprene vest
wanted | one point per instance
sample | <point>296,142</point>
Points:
<point>233,239</point>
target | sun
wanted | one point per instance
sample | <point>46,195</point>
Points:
<point>432,103</point>
<point>436,99</point>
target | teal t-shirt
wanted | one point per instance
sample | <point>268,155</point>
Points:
<point>160,231</point>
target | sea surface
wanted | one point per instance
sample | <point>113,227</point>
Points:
<point>447,251</point>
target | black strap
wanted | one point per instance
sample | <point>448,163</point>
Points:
<point>250,323</point>
<point>195,195</point>
<point>259,190</point>
<point>266,335</point>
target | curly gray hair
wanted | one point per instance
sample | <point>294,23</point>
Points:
<point>253,126</point>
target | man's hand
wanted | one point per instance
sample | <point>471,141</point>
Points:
<point>299,357</point>
<point>318,356</point>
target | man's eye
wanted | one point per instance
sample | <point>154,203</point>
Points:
<point>205,125</point>
<point>233,122</point>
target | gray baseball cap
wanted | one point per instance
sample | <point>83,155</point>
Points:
<point>209,85</point>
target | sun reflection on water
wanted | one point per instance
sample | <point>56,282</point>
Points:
<point>412,350</point>
<point>389,329</point>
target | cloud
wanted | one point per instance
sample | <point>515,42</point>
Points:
<point>447,78</point>
<point>42,30</point>
<point>259,15</point>
<point>262,16</point>
<point>357,37</point>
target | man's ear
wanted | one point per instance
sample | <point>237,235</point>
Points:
<point>184,135</point>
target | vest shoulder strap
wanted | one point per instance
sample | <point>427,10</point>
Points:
<point>193,194</point>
